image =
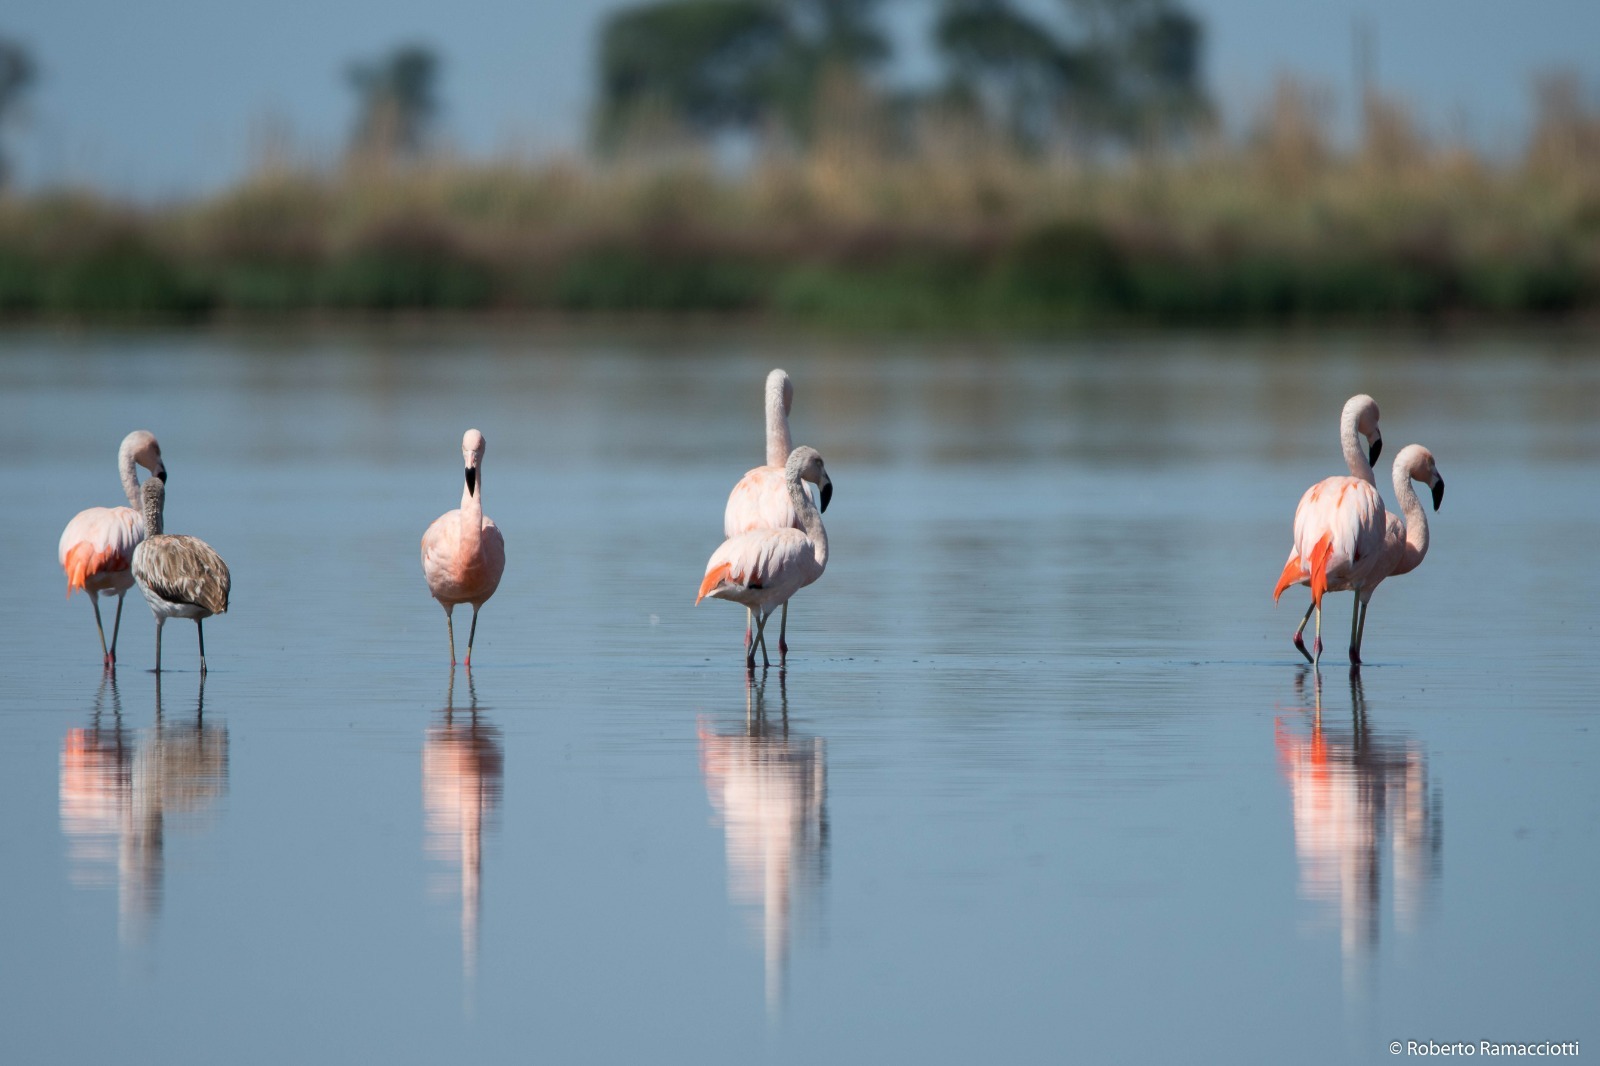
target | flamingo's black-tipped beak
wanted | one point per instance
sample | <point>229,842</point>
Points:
<point>472,482</point>
<point>1438,493</point>
<point>1374,451</point>
<point>827,494</point>
<point>162,474</point>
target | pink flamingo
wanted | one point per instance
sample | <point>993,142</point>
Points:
<point>1341,507</point>
<point>463,553</point>
<point>1405,543</point>
<point>763,568</point>
<point>96,548</point>
<point>761,499</point>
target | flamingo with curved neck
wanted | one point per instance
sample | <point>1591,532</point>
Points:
<point>763,568</point>
<point>96,548</point>
<point>1405,543</point>
<point>1351,517</point>
<point>761,498</point>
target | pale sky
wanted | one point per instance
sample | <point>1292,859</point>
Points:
<point>163,98</point>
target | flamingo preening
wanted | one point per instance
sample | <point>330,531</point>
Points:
<point>763,568</point>
<point>761,499</point>
<point>180,576</point>
<point>96,548</point>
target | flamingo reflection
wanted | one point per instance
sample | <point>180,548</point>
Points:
<point>463,765</point>
<point>118,789</point>
<point>1350,791</point>
<point>770,788</point>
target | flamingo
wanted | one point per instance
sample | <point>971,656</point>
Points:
<point>761,500</point>
<point>463,553</point>
<point>1360,416</point>
<point>180,576</point>
<point>1405,543</point>
<point>763,568</point>
<point>96,548</point>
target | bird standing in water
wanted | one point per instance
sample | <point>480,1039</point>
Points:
<point>463,552</point>
<point>761,498</point>
<point>764,568</point>
<point>180,576</point>
<point>96,548</point>
<point>1338,525</point>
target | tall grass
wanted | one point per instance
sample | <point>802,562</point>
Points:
<point>950,230</point>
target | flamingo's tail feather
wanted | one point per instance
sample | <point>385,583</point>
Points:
<point>1319,567</point>
<point>714,577</point>
<point>1292,573</point>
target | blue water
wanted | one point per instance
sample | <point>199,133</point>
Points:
<point>1043,780</point>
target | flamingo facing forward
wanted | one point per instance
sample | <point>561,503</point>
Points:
<point>463,552</point>
<point>763,568</point>
<point>1341,507</point>
<point>96,548</point>
<point>761,499</point>
<point>180,576</point>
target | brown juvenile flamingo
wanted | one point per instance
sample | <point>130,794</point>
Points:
<point>180,576</point>
<point>463,552</point>
<point>96,548</point>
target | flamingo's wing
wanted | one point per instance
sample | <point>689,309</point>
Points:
<point>182,569</point>
<point>1339,531</point>
<point>764,559</point>
<point>759,501</point>
<point>98,540</point>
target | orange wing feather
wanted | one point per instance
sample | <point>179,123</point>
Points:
<point>1319,567</point>
<point>714,577</point>
<point>83,560</point>
<point>1292,572</point>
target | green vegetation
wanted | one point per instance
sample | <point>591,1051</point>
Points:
<point>955,233</point>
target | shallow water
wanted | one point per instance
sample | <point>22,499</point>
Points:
<point>1043,781</point>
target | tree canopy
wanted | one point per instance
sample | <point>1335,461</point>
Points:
<point>17,74</point>
<point>397,104</point>
<point>1089,71</point>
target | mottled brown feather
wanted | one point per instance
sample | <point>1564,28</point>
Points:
<point>183,569</point>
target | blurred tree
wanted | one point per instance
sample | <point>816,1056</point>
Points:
<point>830,43</point>
<point>1117,70</point>
<point>17,74</point>
<point>1004,65</point>
<point>709,65</point>
<point>397,104</point>
<point>714,66</point>
<point>1147,54</point>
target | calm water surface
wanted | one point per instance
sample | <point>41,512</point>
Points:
<point>1044,780</point>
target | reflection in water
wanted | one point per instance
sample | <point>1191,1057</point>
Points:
<point>1350,789</point>
<point>463,764</point>
<point>117,790</point>
<point>770,787</point>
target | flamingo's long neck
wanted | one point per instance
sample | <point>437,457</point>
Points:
<point>152,508</point>
<point>130,476</point>
<point>1416,522</point>
<point>1355,456</point>
<point>472,516</point>
<point>778,446</point>
<point>810,519</point>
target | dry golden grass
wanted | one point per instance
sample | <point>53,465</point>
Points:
<point>1282,222</point>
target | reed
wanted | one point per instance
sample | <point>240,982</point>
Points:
<point>942,228</point>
